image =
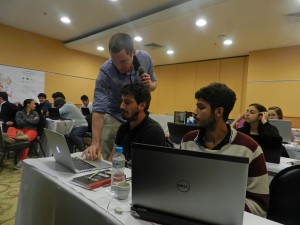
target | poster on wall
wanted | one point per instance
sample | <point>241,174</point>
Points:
<point>21,84</point>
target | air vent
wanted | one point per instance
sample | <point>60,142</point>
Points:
<point>293,17</point>
<point>153,46</point>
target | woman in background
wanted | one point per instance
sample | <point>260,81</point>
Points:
<point>275,113</point>
<point>27,121</point>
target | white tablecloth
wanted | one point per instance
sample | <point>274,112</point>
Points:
<point>47,197</point>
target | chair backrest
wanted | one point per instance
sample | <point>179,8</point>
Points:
<point>285,197</point>
<point>1,140</point>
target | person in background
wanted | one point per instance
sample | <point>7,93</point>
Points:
<point>44,103</point>
<point>8,112</point>
<point>86,103</point>
<point>58,94</point>
<point>139,127</point>
<point>256,122</point>
<point>69,111</point>
<point>214,104</point>
<point>125,66</point>
<point>27,121</point>
<point>275,113</point>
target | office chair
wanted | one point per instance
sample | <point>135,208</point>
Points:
<point>285,197</point>
<point>16,147</point>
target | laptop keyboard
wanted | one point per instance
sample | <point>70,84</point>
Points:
<point>81,165</point>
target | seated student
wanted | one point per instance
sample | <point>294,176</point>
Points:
<point>86,103</point>
<point>275,113</point>
<point>256,123</point>
<point>8,112</point>
<point>68,110</point>
<point>44,103</point>
<point>57,95</point>
<point>214,104</point>
<point>27,122</point>
<point>139,127</point>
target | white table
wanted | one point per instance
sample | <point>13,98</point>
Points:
<point>47,197</point>
<point>293,150</point>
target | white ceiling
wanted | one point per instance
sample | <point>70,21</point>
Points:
<point>251,24</point>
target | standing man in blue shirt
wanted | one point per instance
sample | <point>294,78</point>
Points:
<point>126,66</point>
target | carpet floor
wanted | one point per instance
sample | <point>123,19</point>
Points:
<point>9,189</point>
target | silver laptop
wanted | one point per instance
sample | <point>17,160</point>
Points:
<point>59,147</point>
<point>172,186</point>
<point>285,129</point>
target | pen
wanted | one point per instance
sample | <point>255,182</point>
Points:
<point>90,177</point>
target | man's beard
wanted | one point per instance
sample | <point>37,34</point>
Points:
<point>133,117</point>
<point>208,125</point>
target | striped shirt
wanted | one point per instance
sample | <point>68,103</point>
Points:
<point>239,144</point>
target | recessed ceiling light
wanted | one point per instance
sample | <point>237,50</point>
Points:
<point>170,52</point>
<point>100,48</point>
<point>138,38</point>
<point>65,20</point>
<point>113,0</point>
<point>227,42</point>
<point>201,22</point>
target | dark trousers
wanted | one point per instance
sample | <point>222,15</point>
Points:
<point>75,138</point>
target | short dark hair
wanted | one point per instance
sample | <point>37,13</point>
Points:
<point>218,95</point>
<point>59,102</point>
<point>139,92</point>
<point>58,94</point>
<point>259,107</point>
<point>277,110</point>
<point>27,102</point>
<point>84,98</point>
<point>42,95</point>
<point>4,95</point>
<point>119,42</point>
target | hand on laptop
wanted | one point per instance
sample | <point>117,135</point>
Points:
<point>92,153</point>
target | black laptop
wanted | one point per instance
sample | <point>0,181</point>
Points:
<point>271,146</point>
<point>85,111</point>
<point>178,130</point>
<point>181,187</point>
<point>54,113</point>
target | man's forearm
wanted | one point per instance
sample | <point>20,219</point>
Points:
<point>97,126</point>
<point>153,85</point>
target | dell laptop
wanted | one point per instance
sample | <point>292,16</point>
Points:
<point>285,129</point>
<point>54,113</point>
<point>172,186</point>
<point>59,147</point>
<point>85,111</point>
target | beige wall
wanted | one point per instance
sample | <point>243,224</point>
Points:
<point>270,77</point>
<point>68,71</point>
<point>178,83</point>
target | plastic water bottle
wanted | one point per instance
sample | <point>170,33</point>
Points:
<point>118,166</point>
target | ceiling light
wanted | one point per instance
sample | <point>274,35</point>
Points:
<point>65,20</point>
<point>138,38</point>
<point>170,52</point>
<point>201,23</point>
<point>227,42</point>
<point>100,48</point>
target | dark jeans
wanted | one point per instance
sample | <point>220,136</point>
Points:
<point>75,138</point>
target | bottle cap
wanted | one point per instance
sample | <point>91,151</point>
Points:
<point>119,149</point>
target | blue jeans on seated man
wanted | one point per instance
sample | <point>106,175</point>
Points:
<point>75,138</point>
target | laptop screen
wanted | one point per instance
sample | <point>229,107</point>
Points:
<point>284,127</point>
<point>188,185</point>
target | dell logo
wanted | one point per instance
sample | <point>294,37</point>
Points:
<point>183,186</point>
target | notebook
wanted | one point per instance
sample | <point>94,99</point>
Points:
<point>85,111</point>
<point>54,113</point>
<point>178,130</point>
<point>271,146</point>
<point>172,186</point>
<point>59,147</point>
<point>284,127</point>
